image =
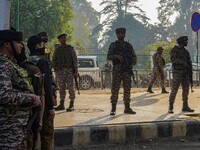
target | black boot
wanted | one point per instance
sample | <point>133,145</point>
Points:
<point>186,108</point>
<point>128,110</point>
<point>164,91</point>
<point>150,89</point>
<point>170,111</point>
<point>61,106</point>
<point>71,106</point>
<point>113,110</point>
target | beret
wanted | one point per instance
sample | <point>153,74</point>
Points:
<point>11,35</point>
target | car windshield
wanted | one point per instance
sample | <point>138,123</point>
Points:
<point>85,63</point>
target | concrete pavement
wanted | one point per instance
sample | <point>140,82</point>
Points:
<point>91,123</point>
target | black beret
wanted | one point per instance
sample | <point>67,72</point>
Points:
<point>42,34</point>
<point>11,35</point>
<point>62,35</point>
<point>159,49</point>
<point>181,39</point>
<point>33,40</point>
<point>120,30</point>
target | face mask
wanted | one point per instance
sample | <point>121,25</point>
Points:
<point>45,40</point>
<point>41,51</point>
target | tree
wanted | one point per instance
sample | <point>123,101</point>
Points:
<point>125,13</point>
<point>52,16</point>
<point>85,20</point>
<point>183,10</point>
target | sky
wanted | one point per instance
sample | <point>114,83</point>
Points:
<point>149,6</point>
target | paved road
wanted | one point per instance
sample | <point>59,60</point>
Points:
<point>162,144</point>
<point>93,108</point>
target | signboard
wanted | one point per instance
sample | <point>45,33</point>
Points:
<point>195,21</point>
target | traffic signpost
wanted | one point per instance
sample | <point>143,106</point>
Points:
<point>195,25</point>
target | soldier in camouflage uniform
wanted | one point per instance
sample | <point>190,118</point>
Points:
<point>158,64</point>
<point>123,57</point>
<point>181,63</point>
<point>16,96</point>
<point>65,66</point>
<point>47,56</point>
<point>37,51</point>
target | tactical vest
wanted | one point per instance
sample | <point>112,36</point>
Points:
<point>63,57</point>
<point>37,79</point>
<point>182,55</point>
<point>125,51</point>
<point>20,79</point>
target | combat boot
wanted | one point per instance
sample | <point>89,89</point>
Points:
<point>170,111</point>
<point>71,106</point>
<point>186,108</point>
<point>61,106</point>
<point>128,110</point>
<point>150,89</point>
<point>164,91</point>
<point>113,109</point>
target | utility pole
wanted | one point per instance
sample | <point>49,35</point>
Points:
<point>4,14</point>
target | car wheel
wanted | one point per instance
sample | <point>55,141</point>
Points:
<point>85,82</point>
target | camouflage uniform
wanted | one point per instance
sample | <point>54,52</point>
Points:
<point>65,64</point>
<point>181,62</point>
<point>47,56</point>
<point>120,72</point>
<point>16,101</point>
<point>47,131</point>
<point>37,58</point>
<point>158,72</point>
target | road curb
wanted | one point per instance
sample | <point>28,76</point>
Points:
<point>124,133</point>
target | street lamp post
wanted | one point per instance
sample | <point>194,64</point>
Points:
<point>4,14</point>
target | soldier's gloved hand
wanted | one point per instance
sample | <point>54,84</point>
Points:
<point>120,58</point>
<point>36,101</point>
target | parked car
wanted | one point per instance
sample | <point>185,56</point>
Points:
<point>89,72</point>
<point>168,70</point>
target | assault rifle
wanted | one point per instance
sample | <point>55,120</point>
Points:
<point>133,75</point>
<point>190,73</point>
<point>76,83</point>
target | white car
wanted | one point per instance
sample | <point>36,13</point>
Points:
<point>90,75</point>
<point>168,70</point>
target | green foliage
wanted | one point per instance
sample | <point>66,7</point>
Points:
<point>85,20</point>
<point>52,16</point>
<point>167,46</point>
<point>120,14</point>
<point>183,9</point>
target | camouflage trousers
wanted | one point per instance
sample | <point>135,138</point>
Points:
<point>47,131</point>
<point>13,132</point>
<point>179,78</point>
<point>157,75</point>
<point>120,77</point>
<point>65,78</point>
